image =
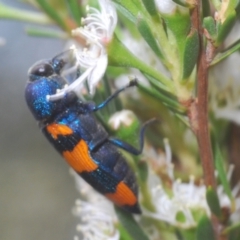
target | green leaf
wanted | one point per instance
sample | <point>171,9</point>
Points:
<point>150,6</point>
<point>238,9</point>
<point>130,224</point>
<point>146,197</point>
<point>229,229</point>
<point>227,52</point>
<point>205,229</point>
<point>126,13</point>
<point>75,9</point>
<point>119,55</point>
<point>180,31</point>
<point>59,5</point>
<point>178,36</point>
<point>129,133</point>
<point>213,202</point>
<point>124,235</point>
<point>224,28</point>
<point>219,163</point>
<point>167,98</point>
<point>147,34</point>
<point>46,32</point>
<point>171,103</point>
<point>53,13</point>
<point>232,4</point>
<point>23,15</point>
<point>129,9</point>
<point>143,170</point>
<point>235,233</point>
<point>186,234</point>
<point>190,54</point>
<point>216,4</point>
<point>206,9</point>
<point>210,25</point>
<point>180,217</point>
<point>181,3</point>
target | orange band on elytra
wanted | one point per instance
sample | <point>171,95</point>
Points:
<point>123,195</point>
<point>79,158</point>
<point>58,129</point>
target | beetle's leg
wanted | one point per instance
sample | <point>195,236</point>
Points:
<point>129,148</point>
<point>104,103</point>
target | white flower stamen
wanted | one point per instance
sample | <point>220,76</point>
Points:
<point>185,197</point>
<point>125,117</point>
<point>97,217</point>
<point>98,31</point>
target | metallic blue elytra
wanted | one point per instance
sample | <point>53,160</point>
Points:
<point>70,126</point>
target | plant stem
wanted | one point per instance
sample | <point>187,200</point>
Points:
<point>201,107</point>
<point>203,136</point>
<point>202,130</point>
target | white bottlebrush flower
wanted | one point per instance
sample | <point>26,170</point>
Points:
<point>166,6</point>
<point>97,31</point>
<point>97,217</point>
<point>184,197</point>
<point>125,117</point>
<point>99,26</point>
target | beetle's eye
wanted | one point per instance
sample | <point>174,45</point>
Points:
<point>42,70</point>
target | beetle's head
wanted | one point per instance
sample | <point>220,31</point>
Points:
<point>45,78</point>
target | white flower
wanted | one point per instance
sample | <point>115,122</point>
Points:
<point>97,217</point>
<point>97,31</point>
<point>125,117</point>
<point>96,223</point>
<point>99,26</point>
<point>184,197</point>
<point>166,6</point>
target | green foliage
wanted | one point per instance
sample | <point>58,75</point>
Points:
<point>145,31</point>
<point>130,9</point>
<point>204,229</point>
<point>76,11</point>
<point>213,202</point>
<point>7,12</point>
<point>130,224</point>
<point>190,53</point>
<point>226,53</point>
<point>119,55</point>
<point>210,26</point>
<point>224,28</point>
<point>219,162</point>
<point>150,6</point>
<point>58,16</point>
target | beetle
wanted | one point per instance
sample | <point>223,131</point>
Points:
<point>70,126</point>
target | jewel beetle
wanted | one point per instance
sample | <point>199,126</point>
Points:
<point>70,126</point>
